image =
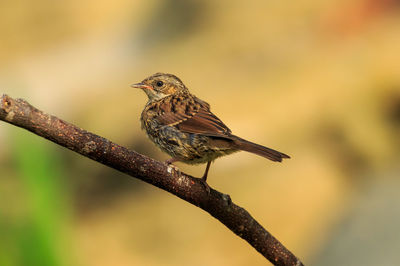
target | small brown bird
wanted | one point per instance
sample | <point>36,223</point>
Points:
<point>183,126</point>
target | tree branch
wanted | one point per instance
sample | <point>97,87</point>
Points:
<point>20,113</point>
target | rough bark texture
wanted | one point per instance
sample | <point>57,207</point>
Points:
<point>20,113</point>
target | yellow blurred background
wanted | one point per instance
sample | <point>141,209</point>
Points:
<point>318,80</point>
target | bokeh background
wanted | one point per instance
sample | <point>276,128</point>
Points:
<point>318,80</point>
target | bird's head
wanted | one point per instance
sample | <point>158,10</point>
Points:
<point>160,85</point>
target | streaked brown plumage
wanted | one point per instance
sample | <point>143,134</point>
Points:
<point>183,126</point>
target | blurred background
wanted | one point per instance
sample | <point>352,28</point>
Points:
<point>318,80</point>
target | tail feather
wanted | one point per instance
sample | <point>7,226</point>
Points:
<point>268,153</point>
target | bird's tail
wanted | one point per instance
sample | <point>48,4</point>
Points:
<point>268,153</point>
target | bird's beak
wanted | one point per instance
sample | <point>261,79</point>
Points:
<point>141,86</point>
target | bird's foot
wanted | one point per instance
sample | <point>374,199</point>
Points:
<point>172,167</point>
<point>203,181</point>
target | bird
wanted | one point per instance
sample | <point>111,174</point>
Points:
<point>184,127</point>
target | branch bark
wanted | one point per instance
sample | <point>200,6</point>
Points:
<point>20,113</point>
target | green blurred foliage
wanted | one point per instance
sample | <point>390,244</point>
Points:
<point>37,234</point>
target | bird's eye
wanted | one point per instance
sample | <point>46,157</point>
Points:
<point>159,83</point>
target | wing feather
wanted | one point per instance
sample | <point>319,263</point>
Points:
<point>192,115</point>
<point>204,122</point>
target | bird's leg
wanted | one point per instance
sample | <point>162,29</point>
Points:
<point>204,178</point>
<point>171,160</point>
<point>169,163</point>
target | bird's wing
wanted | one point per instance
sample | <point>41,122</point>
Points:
<point>193,116</point>
<point>204,122</point>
